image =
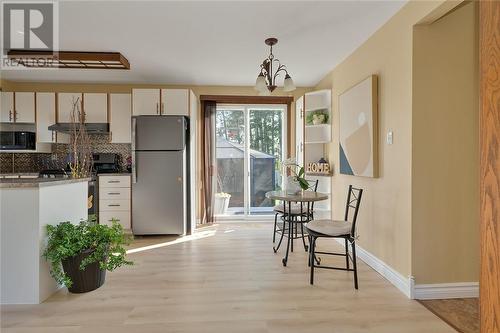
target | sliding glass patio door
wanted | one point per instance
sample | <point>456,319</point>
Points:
<point>250,143</point>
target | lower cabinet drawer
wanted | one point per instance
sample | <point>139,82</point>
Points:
<point>114,181</point>
<point>114,193</point>
<point>121,217</point>
<point>114,205</point>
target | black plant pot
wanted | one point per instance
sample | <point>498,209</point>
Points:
<point>91,278</point>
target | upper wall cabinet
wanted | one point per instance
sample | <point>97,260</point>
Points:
<point>45,116</point>
<point>119,113</point>
<point>145,102</point>
<point>24,107</point>
<point>160,102</point>
<point>95,107</point>
<point>18,107</point>
<point>65,103</point>
<point>7,111</point>
<point>175,102</point>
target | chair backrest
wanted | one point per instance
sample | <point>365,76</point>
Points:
<point>313,186</point>
<point>352,205</point>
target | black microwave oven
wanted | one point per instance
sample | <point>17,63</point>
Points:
<point>16,140</point>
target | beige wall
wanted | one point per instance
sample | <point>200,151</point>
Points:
<point>445,181</point>
<point>385,213</point>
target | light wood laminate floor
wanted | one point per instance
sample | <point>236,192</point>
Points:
<point>226,278</point>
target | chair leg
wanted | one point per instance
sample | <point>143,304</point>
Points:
<point>303,237</point>
<point>275,224</point>
<point>292,225</point>
<point>276,248</point>
<point>346,253</point>
<point>353,244</point>
<point>312,248</point>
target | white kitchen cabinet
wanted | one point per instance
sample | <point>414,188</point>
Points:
<point>145,102</point>
<point>65,103</point>
<point>7,111</point>
<point>114,199</point>
<point>120,118</point>
<point>24,107</point>
<point>175,102</point>
<point>45,116</point>
<point>95,107</point>
<point>114,181</point>
<point>122,217</point>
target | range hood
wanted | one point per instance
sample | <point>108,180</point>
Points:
<point>92,128</point>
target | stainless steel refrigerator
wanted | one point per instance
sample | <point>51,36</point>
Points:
<point>160,171</point>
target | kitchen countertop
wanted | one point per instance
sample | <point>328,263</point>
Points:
<point>38,182</point>
<point>19,175</point>
<point>114,174</point>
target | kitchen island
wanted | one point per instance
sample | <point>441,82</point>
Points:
<point>27,205</point>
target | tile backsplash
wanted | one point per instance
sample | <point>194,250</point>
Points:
<point>34,162</point>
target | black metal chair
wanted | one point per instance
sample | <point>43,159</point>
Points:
<point>296,211</point>
<point>337,229</point>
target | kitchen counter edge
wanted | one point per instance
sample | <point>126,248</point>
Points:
<point>38,182</point>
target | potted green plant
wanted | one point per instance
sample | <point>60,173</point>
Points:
<point>317,117</point>
<point>80,254</point>
<point>221,199</point>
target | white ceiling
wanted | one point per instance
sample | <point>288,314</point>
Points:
<point>212,43</point>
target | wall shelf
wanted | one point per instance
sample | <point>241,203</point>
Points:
<point>317,174</point>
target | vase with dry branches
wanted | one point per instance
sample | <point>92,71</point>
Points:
<point>80,149</point>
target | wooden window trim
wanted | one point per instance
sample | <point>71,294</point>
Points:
<point>238,99</point>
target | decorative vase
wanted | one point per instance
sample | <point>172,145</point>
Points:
<point>292,185</point>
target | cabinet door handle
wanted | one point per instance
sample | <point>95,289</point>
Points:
<point>157,108</point>
<point>113,181</point>
<point>113,193</point>
<point>117,220</point>
<point>114,205</point>
<point>10,115</point>
<point>15,115</point>
<point>162,108</point>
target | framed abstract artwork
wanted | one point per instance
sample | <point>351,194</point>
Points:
<point>358,129</point>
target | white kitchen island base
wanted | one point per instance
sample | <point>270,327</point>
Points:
<point>26,207</point>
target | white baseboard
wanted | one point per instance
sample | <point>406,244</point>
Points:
<point>446,290</point>
<point>399,281</point>
<point>416,291</point>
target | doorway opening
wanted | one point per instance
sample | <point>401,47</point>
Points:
<point>250,143</point>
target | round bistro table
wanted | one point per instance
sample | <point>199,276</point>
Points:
<point>305,198</point>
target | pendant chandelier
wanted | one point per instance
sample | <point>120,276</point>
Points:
<point>270,69</point>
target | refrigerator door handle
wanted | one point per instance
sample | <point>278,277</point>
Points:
<point>134,170</point>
